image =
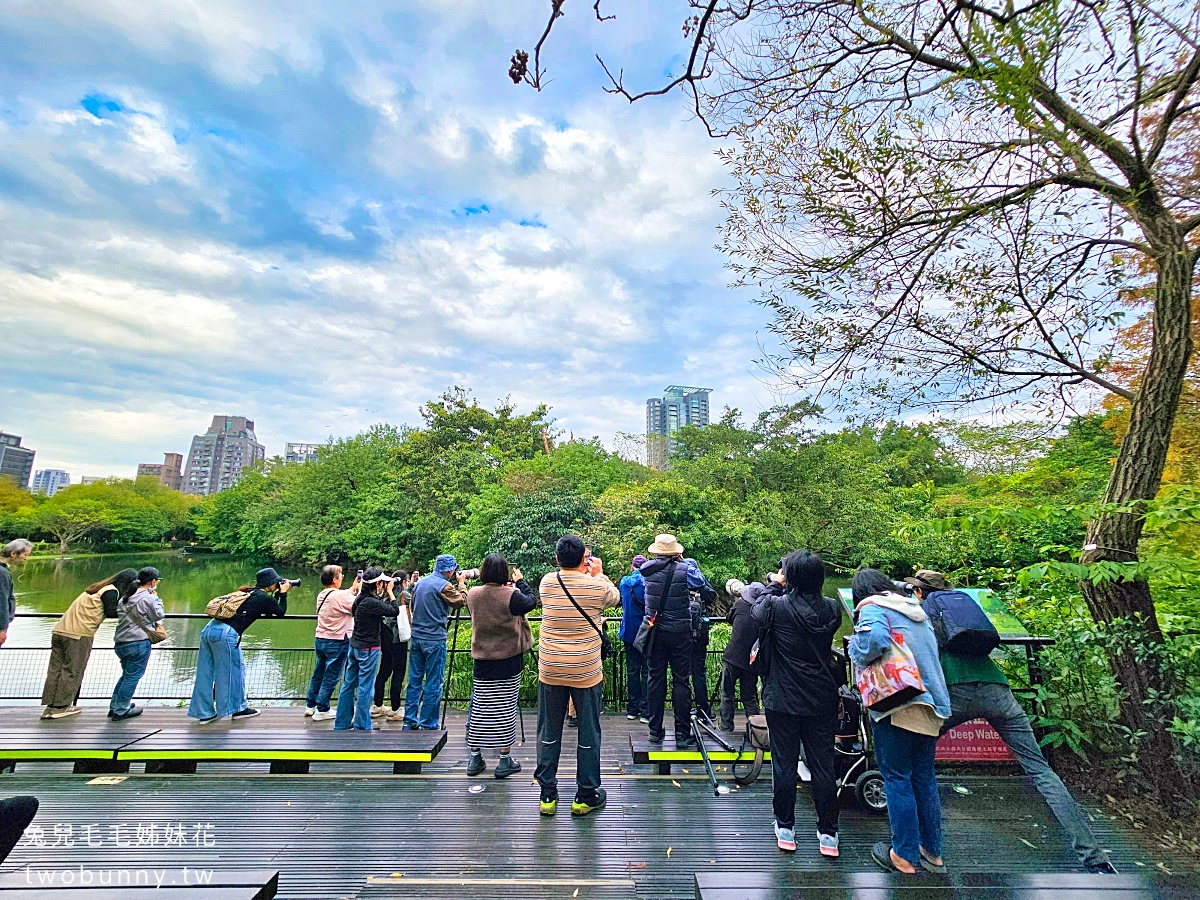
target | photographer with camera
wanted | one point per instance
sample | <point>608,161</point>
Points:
<point>220,688</point>
<point>433,597</point>
<point>375,602</point>
<point>500,638</point>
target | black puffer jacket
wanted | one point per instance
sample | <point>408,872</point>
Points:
<point>802,679</point>
<point>745,629</point>
<point>673,613</point>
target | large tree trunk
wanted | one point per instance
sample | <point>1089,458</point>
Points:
<point>1146,703</point>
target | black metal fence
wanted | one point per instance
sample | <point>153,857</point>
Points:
<point>281,674</point>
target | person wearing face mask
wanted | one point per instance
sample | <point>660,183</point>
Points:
<point>376,601</point>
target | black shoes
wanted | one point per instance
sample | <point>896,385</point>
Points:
<point>476,766</point>
<point>130,713</point>
<point>507,766</point>
<point>246,713</point>
<point>656,738</point>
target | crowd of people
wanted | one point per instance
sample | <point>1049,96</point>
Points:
<point>394,628</point>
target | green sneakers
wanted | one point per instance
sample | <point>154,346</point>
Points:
<point>583,807</point>
<point>549,806</point>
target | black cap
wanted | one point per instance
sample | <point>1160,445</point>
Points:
<point>147,575</point>
<point>267,578</point>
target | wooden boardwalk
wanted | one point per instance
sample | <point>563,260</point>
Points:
<point>350,834</point>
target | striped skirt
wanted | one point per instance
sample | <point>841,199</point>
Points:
<point>492,721</point>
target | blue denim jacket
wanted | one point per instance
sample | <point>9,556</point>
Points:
<point>876,618</point>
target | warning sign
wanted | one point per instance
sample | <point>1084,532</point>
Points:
<point>974,741</point>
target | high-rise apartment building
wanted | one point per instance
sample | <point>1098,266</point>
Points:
<point>15,461</point>
<point>677,407</point>
<point>302,453</point>
<point>50,481</point>
<point>217,457</point>
<point>169,472</point>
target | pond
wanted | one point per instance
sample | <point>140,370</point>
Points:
<point>278,652</point>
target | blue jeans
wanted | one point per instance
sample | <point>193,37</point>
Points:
<point>996,704</point>
<point>354,702</point>
<point>426,675</point>
<point>134,657</point>
<point>636,671</point>
<point>220,674</point>
<point>331,661</point>
<point>905,760</point>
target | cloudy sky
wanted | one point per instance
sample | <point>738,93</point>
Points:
<point>319,215</point>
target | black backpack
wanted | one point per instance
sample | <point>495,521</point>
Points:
<point>960,624</point>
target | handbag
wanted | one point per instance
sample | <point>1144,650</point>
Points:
<point>892,680</point>
<point>157,634</point>
<point>758,738</point>
<point>606,647</point>
<point>403,629</point>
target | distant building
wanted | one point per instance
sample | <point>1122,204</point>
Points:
<point>50,481</point>
<point>15,461</point>
<point>92,479</point>
<point>677,407</point>
<point>302,453</point>
<point>169,472</point>
<point>217,457</point>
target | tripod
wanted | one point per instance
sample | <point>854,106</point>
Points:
<point>702,726</point>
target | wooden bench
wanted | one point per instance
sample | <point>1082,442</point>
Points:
<point>93,750</point>
<point>110,881</point>
<point>176,751</point>
<point>288,750</point>
<point>792,884</point>
<point>664,755</point>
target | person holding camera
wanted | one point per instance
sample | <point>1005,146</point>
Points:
<point>500,638</point>
<point>669,583</point>
<point>737,671</point>
<point>571,668</point>
<point>393,653</point>
<point>376,601</point>
<point>220,688</point>
<point>633,610</point>
<point>433,597</point>
<point>137,616</point>
<point>331,642</point>
<point>800,693</point>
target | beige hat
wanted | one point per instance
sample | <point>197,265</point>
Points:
<point>665,545</point>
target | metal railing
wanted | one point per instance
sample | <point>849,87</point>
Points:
<point>281,674</point>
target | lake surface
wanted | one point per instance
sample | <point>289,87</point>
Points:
<point>278,652</point>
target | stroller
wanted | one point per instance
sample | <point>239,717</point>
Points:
<point>852,768</point>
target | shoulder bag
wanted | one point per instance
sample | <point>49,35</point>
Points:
<point>892,680</point>
<point>645,635</point>
<point>157,634</point>
<point>606,647</point>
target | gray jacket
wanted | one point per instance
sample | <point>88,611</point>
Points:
<point>8,600</point>
<point>143,608</point>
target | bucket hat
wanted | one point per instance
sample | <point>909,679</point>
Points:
<point>665,545</point>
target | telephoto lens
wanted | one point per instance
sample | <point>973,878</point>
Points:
<point>471,573</point>
<point>294,582</point>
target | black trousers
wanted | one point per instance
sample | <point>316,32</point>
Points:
<point>700,673</point>
<point>393,663</point>
<point>673,649</point>
<point>788,732</point>
<point>733,679</point>
<point>15,815</point>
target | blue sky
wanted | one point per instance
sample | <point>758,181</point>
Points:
<point>321,215</point>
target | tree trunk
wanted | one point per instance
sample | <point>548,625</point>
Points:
<point>1147,698</point>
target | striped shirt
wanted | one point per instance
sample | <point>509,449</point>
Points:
<point>568,647</point>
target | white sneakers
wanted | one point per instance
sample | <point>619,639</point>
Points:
<point>377,711</point>
<point>308,711</point>
<point>52,713</point>
<point>785,838</point>
<point>828,844</point>
<point>319,716</point>
<point>802,771</point>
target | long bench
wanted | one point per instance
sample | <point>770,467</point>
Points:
<point>113,882</point>
<point>664,755</point>
<point>177,751</point>
<point>793,884</point>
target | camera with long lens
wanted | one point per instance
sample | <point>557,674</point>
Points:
<point>294,582</point>
<point>470,573</point>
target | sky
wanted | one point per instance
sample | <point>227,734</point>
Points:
<point>320,215</point>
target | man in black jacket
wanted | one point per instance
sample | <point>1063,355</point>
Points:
<point>737,670</point>
<point>668,582</point>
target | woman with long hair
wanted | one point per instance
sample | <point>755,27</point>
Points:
<point>800,693</point>
<point>905,736</point>
<point>375,602</point>
<point>71,640</point>
<point>500,638</point>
